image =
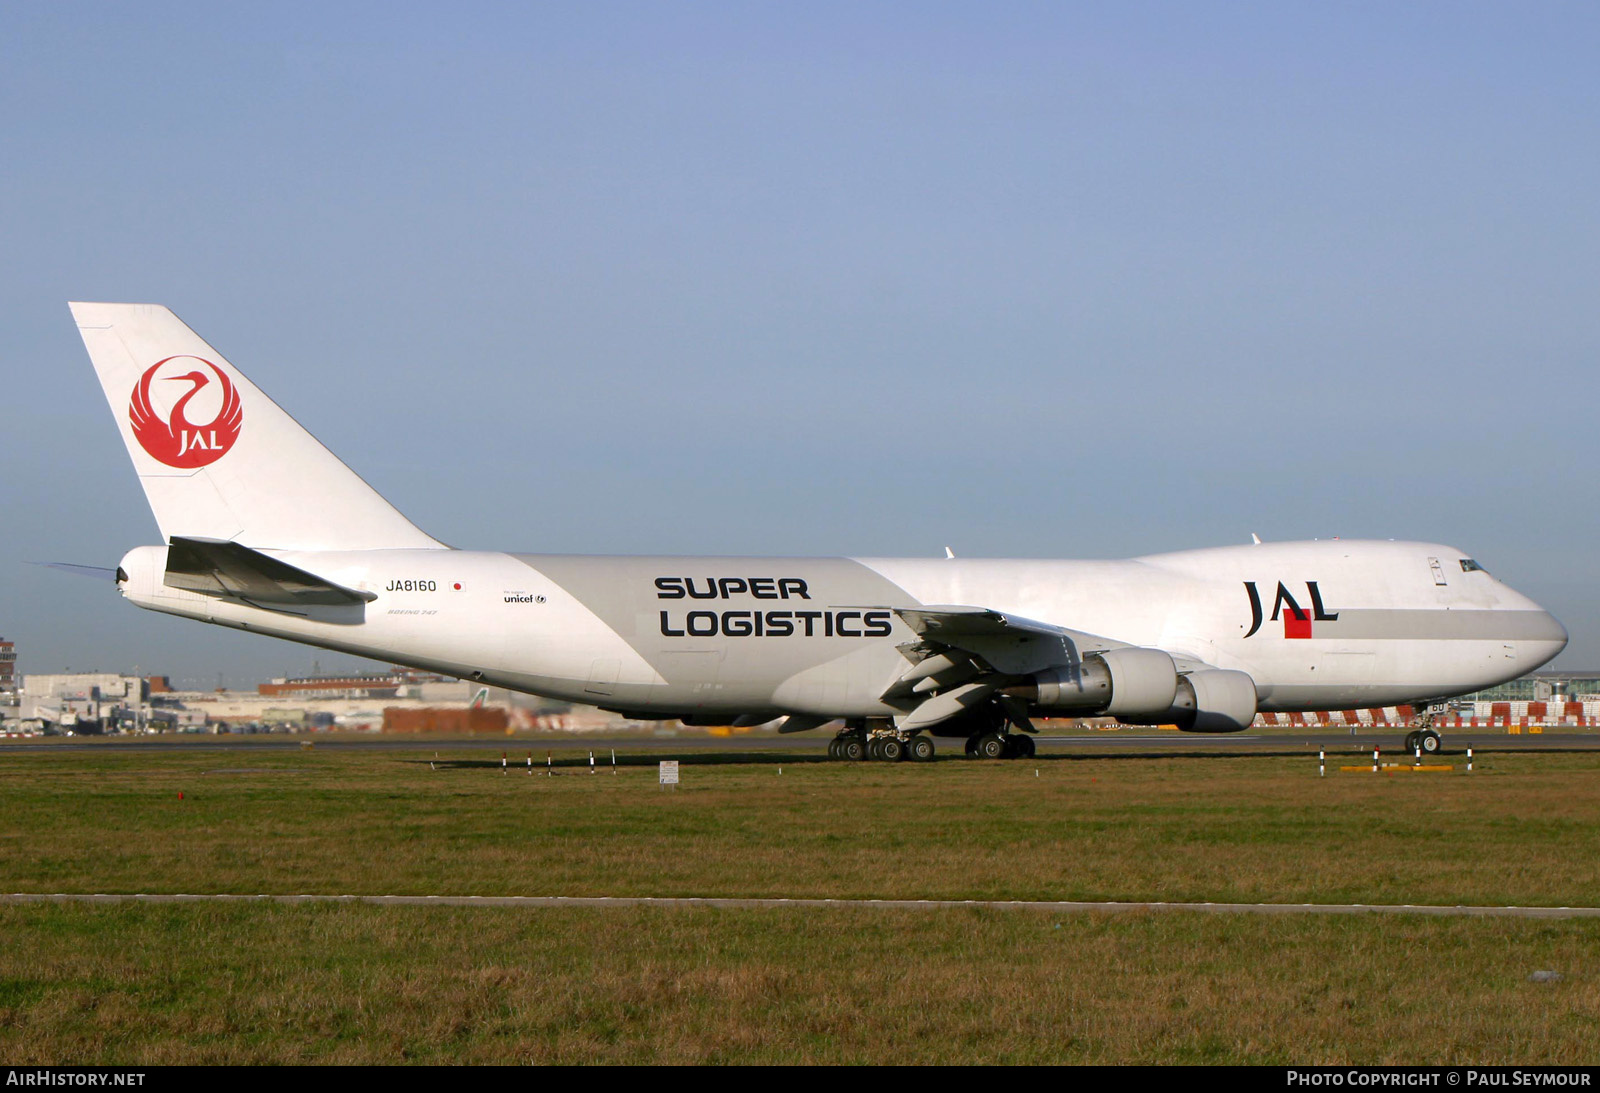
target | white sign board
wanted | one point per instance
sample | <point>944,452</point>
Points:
<point>669,772</point>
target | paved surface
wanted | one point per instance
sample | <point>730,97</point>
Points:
<point>812,745</point>
<point>550,902</point>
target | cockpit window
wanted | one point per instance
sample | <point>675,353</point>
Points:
<point>1468,565</point>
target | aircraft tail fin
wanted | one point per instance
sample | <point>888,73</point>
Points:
<point>217,458</point>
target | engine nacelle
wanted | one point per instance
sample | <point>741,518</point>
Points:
<point>1215,700</point>
<point>1212,700</point>
<point>1082,686</point>
<point>1120,682</point>
<point>1142,681</point>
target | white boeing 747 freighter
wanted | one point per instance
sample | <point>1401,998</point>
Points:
<point>266,530</point>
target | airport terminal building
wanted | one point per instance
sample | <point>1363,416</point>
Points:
<point>1543,687</point>
<point>402,700</point>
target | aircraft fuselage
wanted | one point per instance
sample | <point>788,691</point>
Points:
<point>1334,624</point>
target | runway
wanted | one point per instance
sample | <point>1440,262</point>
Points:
<point>539,903</point>
<point>811,746</point>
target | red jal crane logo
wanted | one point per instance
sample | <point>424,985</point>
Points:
<point>174,439</point>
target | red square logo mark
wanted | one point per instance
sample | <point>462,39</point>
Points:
<point>1296,624</point>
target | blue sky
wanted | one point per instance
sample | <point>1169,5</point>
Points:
<point>1044,280</point>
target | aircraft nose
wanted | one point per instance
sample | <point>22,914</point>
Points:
<point>1545,645</point>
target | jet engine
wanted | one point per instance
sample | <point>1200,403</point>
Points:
<point>1143,687</point>
<point>1120,682</point>
<point>1211,700</point>
<point>1214,700</point>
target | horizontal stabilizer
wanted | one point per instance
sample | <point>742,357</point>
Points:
<point>214,567</point>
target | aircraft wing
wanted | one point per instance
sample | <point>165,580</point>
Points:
<point>1015,644</point>
<point>966,654</point>
<point>215,567</point>
<point>997,642</point>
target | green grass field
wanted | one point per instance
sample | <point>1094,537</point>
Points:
<point>252,982</point>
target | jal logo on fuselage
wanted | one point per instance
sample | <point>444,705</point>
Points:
<point>1297,620</point>
<point>181,428</point>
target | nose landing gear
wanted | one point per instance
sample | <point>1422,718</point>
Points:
<point>1423,736</point>
<point>1425,740</point>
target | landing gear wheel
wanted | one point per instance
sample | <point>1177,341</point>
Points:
<point>1411,741</point>
<point>872,748</point>
<point>991,745</point>
<point>891,750</point>
<point>1429,742</point>
<point>1023,746</point>
<point>972,746</point>
<point>852,750</point>
<point>921,749</point>
<point>833,748</point>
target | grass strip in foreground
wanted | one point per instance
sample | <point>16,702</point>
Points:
<point>135,984</point>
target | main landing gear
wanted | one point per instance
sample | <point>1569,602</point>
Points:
<point>880,740</point>
<point>847,745</point>
<point>999,745</point>
<point>889,745</point>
